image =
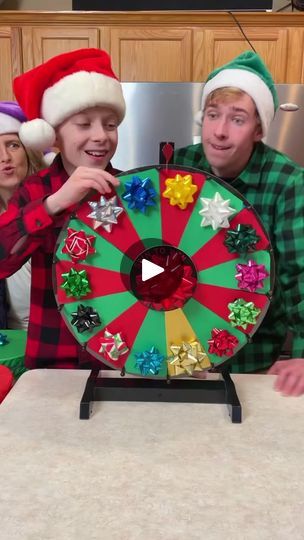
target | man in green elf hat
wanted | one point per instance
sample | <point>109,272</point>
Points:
<point>238,104</point>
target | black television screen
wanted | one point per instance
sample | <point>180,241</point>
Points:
<point>142,5</point>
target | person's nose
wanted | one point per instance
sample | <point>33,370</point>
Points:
<point>5,156</point>
<point>221,128</point>
<point>98,133</point>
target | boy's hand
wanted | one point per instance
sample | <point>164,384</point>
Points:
<point>77,186</point>
<point>290,376</point>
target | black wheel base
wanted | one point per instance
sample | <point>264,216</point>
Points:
<point>100,388</point>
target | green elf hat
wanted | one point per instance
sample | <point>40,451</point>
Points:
<point>248,73</point>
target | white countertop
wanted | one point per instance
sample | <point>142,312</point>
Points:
<point>149,471</point>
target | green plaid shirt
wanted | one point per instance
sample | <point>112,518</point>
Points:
<point>274,185</point>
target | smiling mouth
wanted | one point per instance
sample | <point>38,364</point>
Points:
<point>217,147</point>
<point>96,153</point>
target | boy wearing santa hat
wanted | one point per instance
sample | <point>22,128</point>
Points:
<point>238,104</point>
<point>73,101</point>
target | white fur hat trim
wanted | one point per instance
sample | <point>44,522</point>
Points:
<point>8,124</point>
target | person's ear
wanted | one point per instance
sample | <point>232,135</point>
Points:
<point>258,134</point>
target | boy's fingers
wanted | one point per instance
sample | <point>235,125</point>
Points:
<point>98,182</point>
<point>285,383</point>
<point>274,370</point>
<point>102,174</point>
<point>299,388</point>
<point>104,187</point>
<point>101,187</point>
<point>290,379</point>
<point>278,367</point>
<point>102,177</point>
<point>115,181</point>
<point>111,179</point>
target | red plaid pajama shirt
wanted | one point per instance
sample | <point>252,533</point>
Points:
<point>28,231</point>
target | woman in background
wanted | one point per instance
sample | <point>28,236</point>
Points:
<point>16,163</point>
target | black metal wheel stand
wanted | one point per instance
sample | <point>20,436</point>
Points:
<point>100,388</point>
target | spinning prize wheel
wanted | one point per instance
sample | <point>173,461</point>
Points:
<point>171,274</point>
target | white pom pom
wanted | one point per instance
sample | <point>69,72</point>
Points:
<point>37,134</point>
<point>49,157</point>
<point>198,117</point>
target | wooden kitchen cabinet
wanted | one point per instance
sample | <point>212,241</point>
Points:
<point>10,59</point>
<point>152,54</point>
<point>295,56</point>
<point>162,46</point>
<point>215,47</point>
<point>41,43</point>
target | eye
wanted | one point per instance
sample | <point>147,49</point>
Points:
<point>212,115</point>
<point>238,120</point>
<point>14,145</point>
<point>111,125</point>
<point>83,124</point>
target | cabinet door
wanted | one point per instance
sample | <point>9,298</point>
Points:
<point>213,48</point>
<point>10,60</point>
<point>151,55</point>
<point>41,43</point>
<point>295,66</point>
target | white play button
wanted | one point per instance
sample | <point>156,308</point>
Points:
<point>150,270</point>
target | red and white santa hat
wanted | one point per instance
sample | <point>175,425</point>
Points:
<point>65,85</point>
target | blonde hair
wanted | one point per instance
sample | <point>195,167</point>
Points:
<point>226,94</point>
<point>35,161</point>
